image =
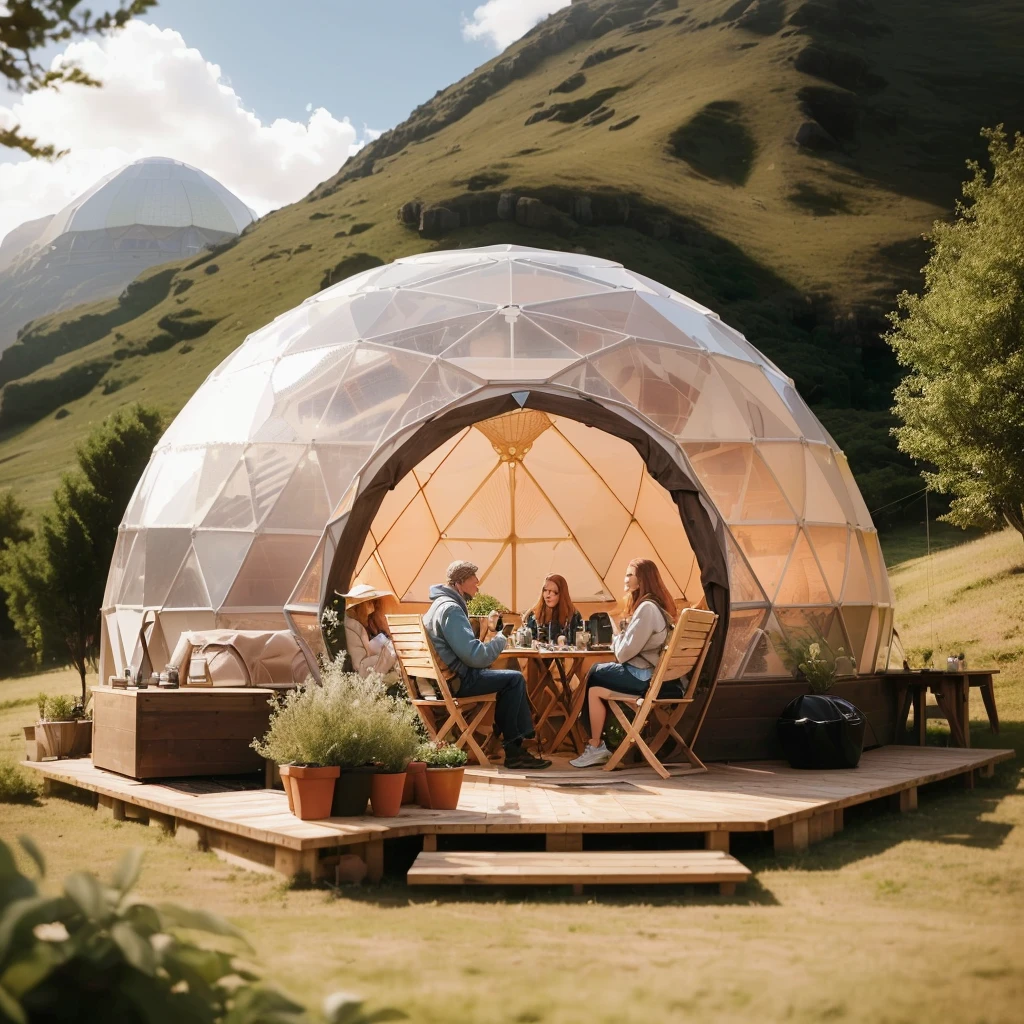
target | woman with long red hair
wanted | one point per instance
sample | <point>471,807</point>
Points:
<point>554,614</point>
<point>650,614</point>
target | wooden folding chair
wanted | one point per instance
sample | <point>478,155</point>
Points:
<point>682,657</point>
<point>444,713</point>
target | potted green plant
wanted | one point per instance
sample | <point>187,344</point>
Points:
<point>300,742</point>
<point>395,739</point>
<point>415,791</point>
<point>446,766</point>
<point>55,730</point>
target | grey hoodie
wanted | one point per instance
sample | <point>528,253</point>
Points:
<point>450,631</point>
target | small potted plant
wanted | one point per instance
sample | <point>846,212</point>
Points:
<point>395,742</point>
<point>446,766</point>
<point>300,744</point>
<point>56,728</point>
<point>416,791</point>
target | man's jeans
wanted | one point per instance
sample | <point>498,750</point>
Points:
<point>512,719</point>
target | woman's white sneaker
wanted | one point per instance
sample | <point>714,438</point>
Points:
<point>592,756</point>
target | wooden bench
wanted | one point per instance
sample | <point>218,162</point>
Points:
<point>628,867</point>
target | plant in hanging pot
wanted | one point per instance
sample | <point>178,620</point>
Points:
<point>55,730</point>
<point>446,766</point>
<point>395,740</point>
<point>817,729</point>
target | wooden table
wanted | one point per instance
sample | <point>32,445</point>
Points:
<point>952,692</point>
<point>154,733</point>
<point>555,685</point>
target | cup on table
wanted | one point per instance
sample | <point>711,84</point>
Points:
<point>583,639</point>
<point>561,641</point>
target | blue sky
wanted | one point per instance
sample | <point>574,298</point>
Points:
<point>374,61</point>
<point>268,103</point>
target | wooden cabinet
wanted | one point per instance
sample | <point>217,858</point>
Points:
<point>151,733</point>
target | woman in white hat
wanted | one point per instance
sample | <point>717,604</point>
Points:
<point>366,631</point>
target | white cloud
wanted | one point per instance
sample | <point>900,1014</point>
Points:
<point>502,22</point>
<point>161,98</point>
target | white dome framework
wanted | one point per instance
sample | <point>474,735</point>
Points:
<point>535,411</point>
<point>153,210</point>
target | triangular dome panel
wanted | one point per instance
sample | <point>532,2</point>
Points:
<point>803,582</point>
<point>189,588</point>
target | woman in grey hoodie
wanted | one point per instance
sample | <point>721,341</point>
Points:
<point>650,617</point>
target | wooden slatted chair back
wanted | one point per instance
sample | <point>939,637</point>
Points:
<point>682,657</point>
<point>416,656</point>
<point>685,650</point>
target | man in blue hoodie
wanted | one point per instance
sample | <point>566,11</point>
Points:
<point>448,626</point>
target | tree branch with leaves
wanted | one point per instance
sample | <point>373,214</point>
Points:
<point>28,26</point>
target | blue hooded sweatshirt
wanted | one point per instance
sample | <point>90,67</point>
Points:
<point>450,631</point>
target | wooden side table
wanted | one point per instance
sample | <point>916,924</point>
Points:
<point>952,691</point>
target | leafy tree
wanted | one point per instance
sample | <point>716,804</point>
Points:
<point>962,404</point>
<point>27,26</point>
<point>13,651</point>
<point>55,582</point>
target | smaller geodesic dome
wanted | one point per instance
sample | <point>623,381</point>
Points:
<point>154,210</point>
<point>370,431</point>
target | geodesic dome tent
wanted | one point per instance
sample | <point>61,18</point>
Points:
<point>534,411</point>
<point>154,210</point>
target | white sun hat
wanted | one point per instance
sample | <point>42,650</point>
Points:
<point>363,592</point>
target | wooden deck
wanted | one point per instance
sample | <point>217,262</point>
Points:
<point>252,826</point>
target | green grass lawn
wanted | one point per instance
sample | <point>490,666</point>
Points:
<point>898,918</point>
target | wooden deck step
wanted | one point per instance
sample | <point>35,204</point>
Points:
<point>628,867</point>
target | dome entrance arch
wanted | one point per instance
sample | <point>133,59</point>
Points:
<point>523,482</point>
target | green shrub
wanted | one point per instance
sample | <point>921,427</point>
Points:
<point>483,604</point>
<point>445,755</point>
<point>15,788</point>
<point>58,708</point>
<point>347,721</point>
<point>28,401</point>
<point>94,952</point>
<point>809,655</point>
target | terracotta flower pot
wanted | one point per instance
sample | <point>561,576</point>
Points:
<point>286,781</point>
<point>58,738</point>
<point>351,793</point>
<point>444,785</point>
<point>312,790</point>
<point>415,791</point>
<point>386,793</point>
<point>83,738</point>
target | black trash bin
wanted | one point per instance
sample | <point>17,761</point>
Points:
<point>818,730</point>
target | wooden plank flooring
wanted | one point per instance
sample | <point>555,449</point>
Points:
<point>728,798</point>
<point>631,867</point>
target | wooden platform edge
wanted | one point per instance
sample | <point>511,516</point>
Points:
<point>988,758</point>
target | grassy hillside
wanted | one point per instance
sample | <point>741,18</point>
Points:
<point>971,599</point>
<point>659,133</point>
